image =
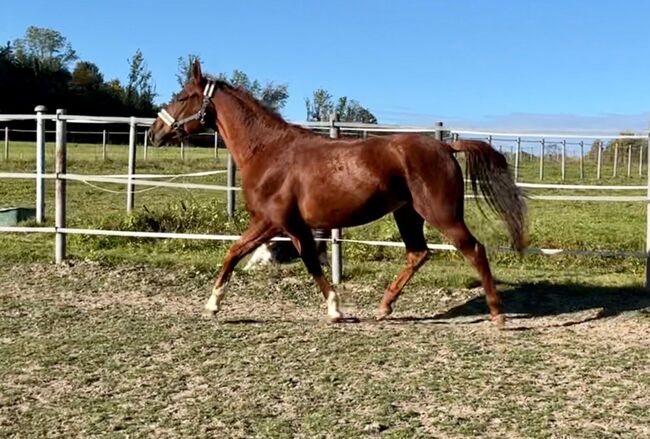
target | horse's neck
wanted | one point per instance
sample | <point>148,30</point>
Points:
<point>244,129</point>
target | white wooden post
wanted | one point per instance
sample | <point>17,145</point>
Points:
<point>145,145</point>
<point>439,134</point>
<point>640,160</point>
<point>541,159</point>
<point>104,145</point>
<point>517,154</point>
<point>337,253</point>
<point>563,159</point>
<point>629,161</point>
<point>615,159</point>
<point>600,159</point>
<point>582,159</point>
<point>60,187</point>
<point>130,188</point>
<point>40,163</point>
<point>6,154</point>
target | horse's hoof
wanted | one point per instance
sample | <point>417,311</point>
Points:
<point>499,321</point>
<point>383,313</point>
<point>211,308</point>
<point>210,312</point>
<point>334,319</point>
<point>342,318</point>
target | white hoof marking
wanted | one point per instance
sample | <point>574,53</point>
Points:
<point>214,302</point>
<point>333,311</point>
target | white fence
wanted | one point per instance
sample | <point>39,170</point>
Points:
<point>131,179</point>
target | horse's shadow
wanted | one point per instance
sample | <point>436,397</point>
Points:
<point>547,299</point>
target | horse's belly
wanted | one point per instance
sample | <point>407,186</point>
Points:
<point>346,211</point>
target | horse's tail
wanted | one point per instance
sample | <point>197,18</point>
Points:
<point>487,169</point>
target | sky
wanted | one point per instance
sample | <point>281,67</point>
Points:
<point>491,64</point>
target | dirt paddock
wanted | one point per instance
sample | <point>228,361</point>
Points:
<point>92,350</point>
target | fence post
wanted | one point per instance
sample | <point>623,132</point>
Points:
<point>6,154</point>
<point>60,187</point>
<point>337,253</point>
<point>216,145</point>
<point>563,158</point>
<point>145,144</point>
<point>40,163</point>
<point>517,154</point>
<point>232,171</point>
<point>629,161</point>
<point>640,160</point>
<point>615,159</point>
<point>130,187</point>
<point>542,145</point>
<point>104,145</point>
<point>599,158</point>
<point>438,132</point>
<point>582,159</point>
<point>647,231</point>
<point>182,150</point>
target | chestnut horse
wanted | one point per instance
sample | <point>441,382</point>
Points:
<point>294,181</point>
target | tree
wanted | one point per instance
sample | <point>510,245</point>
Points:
<point>321,106</point>
<point>185,68</point>
<point>352,111</point>
<point>139,90</point>
<point>272,95</point>
<point>44,48</point>
<point>622,143</point>
<point>86,76</point>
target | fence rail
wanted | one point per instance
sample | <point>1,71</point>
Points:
<point>131,179</point>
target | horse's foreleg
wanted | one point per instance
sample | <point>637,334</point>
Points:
<point>257,234</point>
<point>306,246</point>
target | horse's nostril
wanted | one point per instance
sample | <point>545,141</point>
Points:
<point>152,137</point>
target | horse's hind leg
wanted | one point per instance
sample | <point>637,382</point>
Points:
<point>474,252</point>
<point>410,224</point>
<point>257,233</point>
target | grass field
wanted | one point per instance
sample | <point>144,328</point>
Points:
<point>114,343</point>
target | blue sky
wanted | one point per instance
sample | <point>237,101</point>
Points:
<point>482,63</point>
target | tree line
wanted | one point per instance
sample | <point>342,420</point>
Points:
<point>42,68</point>
<point>38,70</point>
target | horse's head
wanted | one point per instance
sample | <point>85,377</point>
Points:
<point>190,112</point>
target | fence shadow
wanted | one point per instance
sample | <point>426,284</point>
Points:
<point>552,299</point>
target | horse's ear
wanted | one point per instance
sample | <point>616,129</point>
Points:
<point>196,71</point>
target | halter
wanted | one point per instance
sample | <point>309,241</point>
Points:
<point>199,115</point>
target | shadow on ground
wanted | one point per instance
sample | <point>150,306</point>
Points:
<point>524,301</point>
<point>551,299</point>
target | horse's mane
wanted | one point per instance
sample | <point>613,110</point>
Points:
<point>261,117</point>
